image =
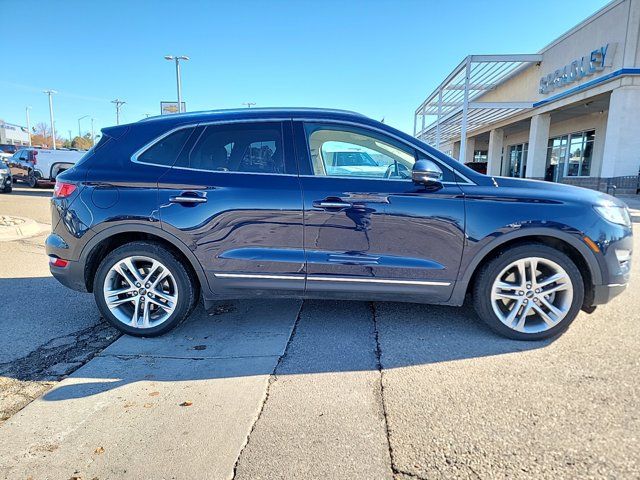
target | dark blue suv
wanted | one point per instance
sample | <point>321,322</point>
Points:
<point>323,204</point>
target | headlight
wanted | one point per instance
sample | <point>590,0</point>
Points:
<point>614,214</point>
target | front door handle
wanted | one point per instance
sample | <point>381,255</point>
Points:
<point>188,199</point>
<point>331,204</point>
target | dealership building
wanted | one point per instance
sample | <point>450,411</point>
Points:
<point>569,113</point>
<point>13,134</point>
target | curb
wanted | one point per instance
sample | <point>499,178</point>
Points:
<point>15,228</point>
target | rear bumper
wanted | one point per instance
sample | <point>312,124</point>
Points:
<point>71,276</point>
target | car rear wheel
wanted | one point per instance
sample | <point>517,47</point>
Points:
<point>144,290</point>
<point>32,180</point>
<point>529,292</point>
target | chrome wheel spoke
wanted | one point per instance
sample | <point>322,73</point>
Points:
<point>532,295</point>
<point>145,315</point>
<point>128,263</point>
<point>131,301</point>
<point>134,315</point>
<point>167,298</point>
<point>164,306</point>
<point>119,301</point>
<point>523,318</point>
<point>545,316</point>
<point>557,278</point>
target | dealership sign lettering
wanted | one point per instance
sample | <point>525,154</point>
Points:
<point>587,65</point>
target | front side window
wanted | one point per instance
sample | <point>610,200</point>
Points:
<point>250,148</point>
<point>342,152</point>
<point>166,150</point>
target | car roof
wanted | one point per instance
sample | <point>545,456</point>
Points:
<point>249,113</point>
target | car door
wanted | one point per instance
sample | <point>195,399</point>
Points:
<point>369,230</point>
<point>233,196</point>
<point>18,163</point>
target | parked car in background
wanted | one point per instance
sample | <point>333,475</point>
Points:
<point>6,182</point>
<point>246,203</point>
<point>7,151</point>
<point>480,167</point>
<point>39,166</point>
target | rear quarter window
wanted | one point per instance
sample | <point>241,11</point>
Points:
<point>166,150</point>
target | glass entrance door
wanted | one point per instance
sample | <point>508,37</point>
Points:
<point>517,160</point>
<point>569,156</point>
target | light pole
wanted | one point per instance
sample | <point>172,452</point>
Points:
<point>53,127</point>
<point>80,131</point>
<point>28,124</point>
<point>118,104</point>
<point>177,59</point>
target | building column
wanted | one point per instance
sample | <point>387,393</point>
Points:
<point>496,143</point>
<point>471,147</point>
<point>456,150</point>
<point>538,143</point>
<point>621,156</point>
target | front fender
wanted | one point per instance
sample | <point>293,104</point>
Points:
<point>475,254</point>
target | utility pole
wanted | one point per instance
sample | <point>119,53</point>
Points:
<point>28,124</point>
<point>53,127</point>
<point>177,59</point>
<point>70,137</point>
<point>80,131</point>
<point>249,104</point>
<point>118,104</point>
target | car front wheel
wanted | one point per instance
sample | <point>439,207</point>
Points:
<point>143,289</point>
<point>529,292</point>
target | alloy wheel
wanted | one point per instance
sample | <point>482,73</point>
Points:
<point>532,295</point>
<point>140,292</point>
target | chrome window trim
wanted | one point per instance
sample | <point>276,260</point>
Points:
<point>140,151</point>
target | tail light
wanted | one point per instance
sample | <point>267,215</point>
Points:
<point>58,262</point>
<point>63,189</point>
<point>35,157</point>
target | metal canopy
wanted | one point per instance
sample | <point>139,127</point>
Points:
<point>453,108</point>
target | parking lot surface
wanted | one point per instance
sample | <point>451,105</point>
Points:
<point>314,389</point>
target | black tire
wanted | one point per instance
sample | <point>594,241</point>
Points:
<point>32,180</point>
<point>8,189</point>
<point>488,273</point>
<point>187,286</point>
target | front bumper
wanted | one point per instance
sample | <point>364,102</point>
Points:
<point>605,293</point>
<point>5,181</point>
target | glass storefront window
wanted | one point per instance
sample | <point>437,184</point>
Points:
<point>517,160</point>
<point>569,156</point>
<point>480,155</point>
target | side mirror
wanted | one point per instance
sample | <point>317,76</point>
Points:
<point>426,172</point>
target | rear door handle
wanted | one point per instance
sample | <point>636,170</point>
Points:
<point>188,199</point>
<point>331,204</point>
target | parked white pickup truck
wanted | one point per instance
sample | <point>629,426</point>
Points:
<point>38,166</point>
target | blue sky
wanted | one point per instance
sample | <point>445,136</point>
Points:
<point>380,58</point>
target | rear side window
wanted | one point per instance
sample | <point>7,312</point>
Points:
<point>243,147</point>
<point>166,150</point>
